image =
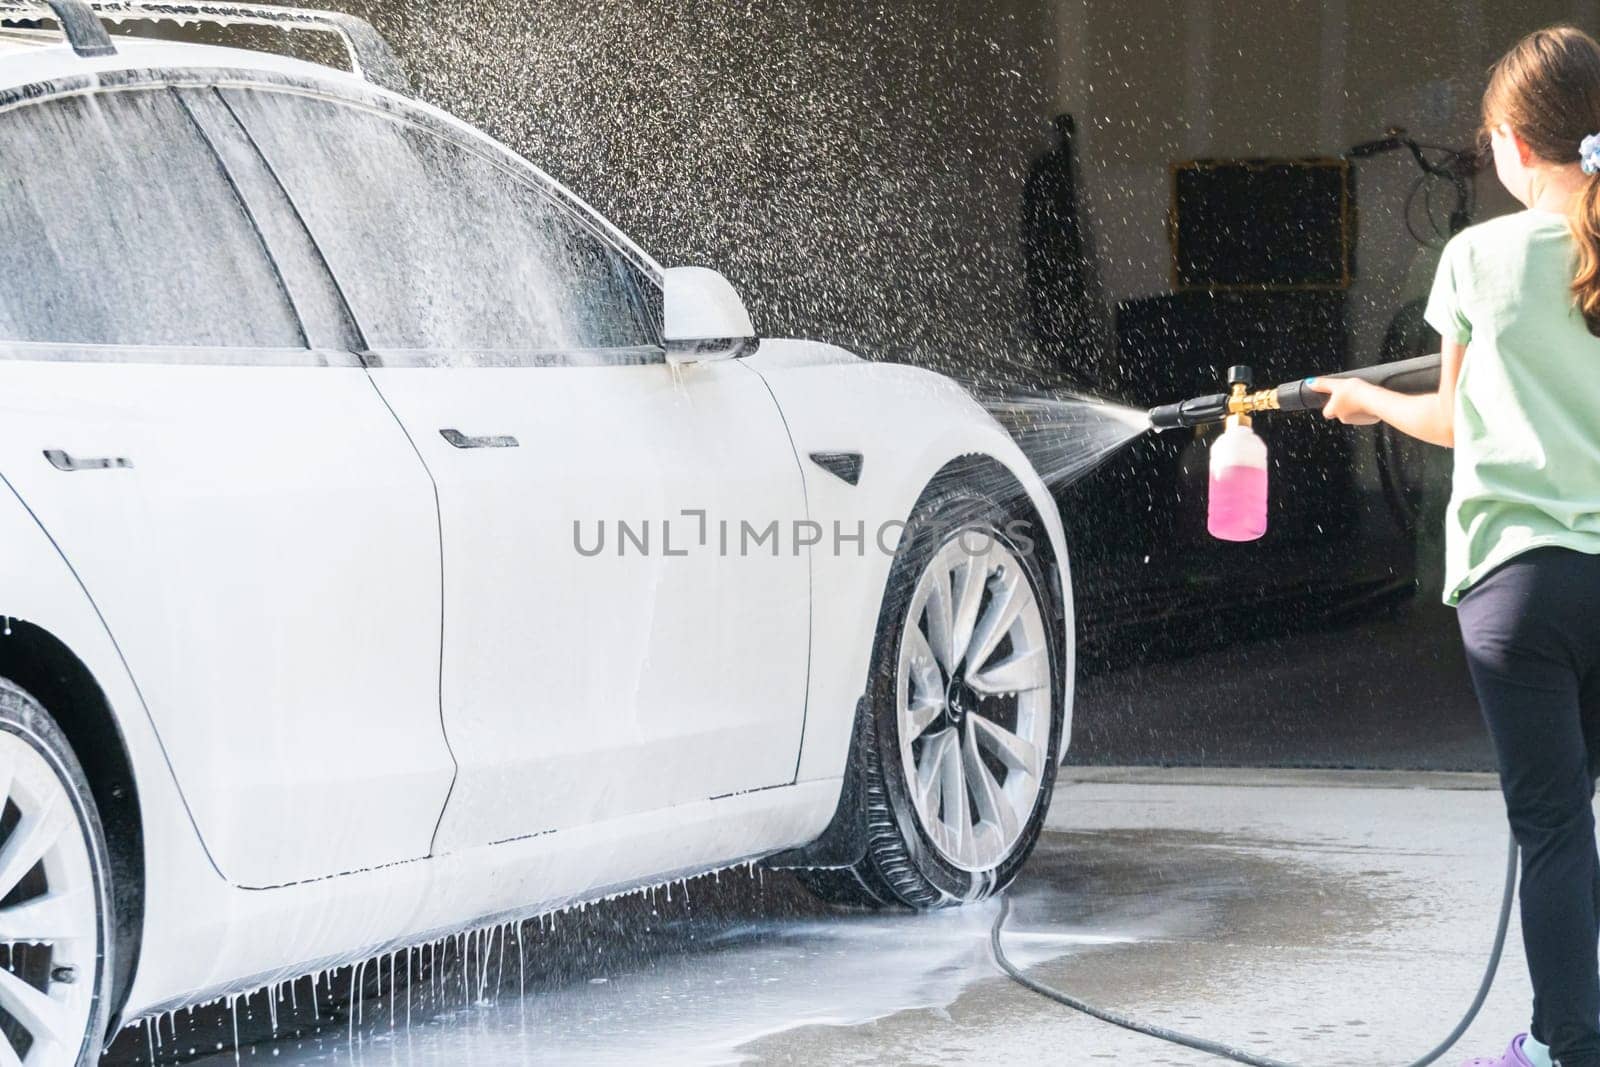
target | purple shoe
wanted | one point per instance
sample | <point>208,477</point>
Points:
<point>1513,1056</point>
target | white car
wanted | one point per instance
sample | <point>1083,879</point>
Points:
<point>390,547</point>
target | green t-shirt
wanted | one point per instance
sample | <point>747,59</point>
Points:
<point>1527,416</point>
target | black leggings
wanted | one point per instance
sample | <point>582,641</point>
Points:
<point>1532,633</point>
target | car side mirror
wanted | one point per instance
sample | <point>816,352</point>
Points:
<point>704,318</point>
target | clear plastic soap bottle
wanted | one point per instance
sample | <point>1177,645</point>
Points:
<point>1238,504</point>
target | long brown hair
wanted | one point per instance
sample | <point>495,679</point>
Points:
<point>1547,89</point>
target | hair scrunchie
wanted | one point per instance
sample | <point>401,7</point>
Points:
<point>1589,154</point>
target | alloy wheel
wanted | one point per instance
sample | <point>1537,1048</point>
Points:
<point>974,699</point>
<point>49,921</point>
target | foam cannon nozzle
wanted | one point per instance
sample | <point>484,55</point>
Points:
<point>1237,508</point>
<point>1413,376</point>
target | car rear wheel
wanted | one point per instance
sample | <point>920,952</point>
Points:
<point>958,737</point>
<point>55,901</point>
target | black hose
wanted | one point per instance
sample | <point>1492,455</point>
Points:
<point>1227,1052</point>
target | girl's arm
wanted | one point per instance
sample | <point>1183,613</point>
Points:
<point>1429,417</point>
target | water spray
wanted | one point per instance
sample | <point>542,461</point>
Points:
<point>1238,502</point>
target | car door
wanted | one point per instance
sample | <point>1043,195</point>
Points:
<point>184,417</point>
<point>514,340</point>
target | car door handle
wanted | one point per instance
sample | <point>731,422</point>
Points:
<point>63,461</point>
<point>461,440</point>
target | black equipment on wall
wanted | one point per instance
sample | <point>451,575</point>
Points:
<point>1263,224</point>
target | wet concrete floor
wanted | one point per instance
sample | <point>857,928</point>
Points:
<point>1325,918</point>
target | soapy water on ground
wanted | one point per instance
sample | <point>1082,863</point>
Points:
<point>686,975</point>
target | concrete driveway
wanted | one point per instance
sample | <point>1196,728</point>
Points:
<point>1322,917</point>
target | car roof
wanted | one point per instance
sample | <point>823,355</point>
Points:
<point>31,58</point>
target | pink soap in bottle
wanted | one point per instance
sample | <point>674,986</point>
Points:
<point>1238,504</point>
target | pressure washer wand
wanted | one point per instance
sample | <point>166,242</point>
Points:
<point>1411,376</point>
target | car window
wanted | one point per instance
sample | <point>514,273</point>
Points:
<point>437,245</point>
<point>118,226</point>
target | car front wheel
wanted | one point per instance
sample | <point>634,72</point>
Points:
<point>963,717</point>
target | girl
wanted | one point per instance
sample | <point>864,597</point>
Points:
<point>1517,302</point>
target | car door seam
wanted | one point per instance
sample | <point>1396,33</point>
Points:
<point>438,516</point>
<point>359,341</point>
<point>811,570</point>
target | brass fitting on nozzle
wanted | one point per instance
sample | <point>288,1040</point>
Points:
<point>1247,403</point>
<point>1240,379</point>
<point>1233,407</point>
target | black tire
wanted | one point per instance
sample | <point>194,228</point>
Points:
<point>22,716</point>
<point>901,865</point>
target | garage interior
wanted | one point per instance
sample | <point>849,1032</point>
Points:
<point>992,191</point>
